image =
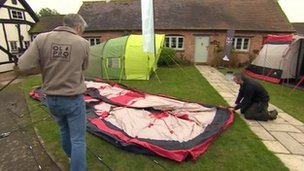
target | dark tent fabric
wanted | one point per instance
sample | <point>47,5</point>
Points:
<point>150,124</point>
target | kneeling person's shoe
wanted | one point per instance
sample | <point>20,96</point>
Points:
<point>273,114</point>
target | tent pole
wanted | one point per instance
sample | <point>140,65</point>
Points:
<point>157,76</point>
<point>263,71</point>
<point>154,53</point>
<point>152,67</point>
<point>296,86</point>
<point>179,66</point>
<point>122,67</point>
<point>105,67</point>
<point>299,59</point>
<point>103,59</point>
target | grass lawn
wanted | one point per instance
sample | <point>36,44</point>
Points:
<point>236,149</point>
<point>282,97</point>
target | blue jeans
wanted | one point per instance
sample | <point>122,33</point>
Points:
<point>70,114</point>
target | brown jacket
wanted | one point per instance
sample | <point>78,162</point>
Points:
<point>62,56</point>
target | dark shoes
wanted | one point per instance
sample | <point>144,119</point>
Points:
<point>273,114</point>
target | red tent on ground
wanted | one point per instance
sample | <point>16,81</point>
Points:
<point>151,124</point>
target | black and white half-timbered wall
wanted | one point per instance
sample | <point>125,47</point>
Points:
<point>16,19</point>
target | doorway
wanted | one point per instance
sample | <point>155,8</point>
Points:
<point>201,49</point>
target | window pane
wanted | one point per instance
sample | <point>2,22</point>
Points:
<point>246,43</point>
<point>14,14</point>
<point>167,42</point>
<point>238,43</point>
<point>13,45</point>
<point>180,42</point>
<point>97,41</point>
<point>17,14</point>
<point>173,42</point>
<point>92,41</point>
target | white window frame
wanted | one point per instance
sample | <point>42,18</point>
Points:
<point>18,13</point>
<point>242,41</point>
<point>96,40</point>
<point>13,46</point>
<point>170,38</point>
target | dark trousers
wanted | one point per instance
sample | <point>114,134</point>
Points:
<point>257,111</point>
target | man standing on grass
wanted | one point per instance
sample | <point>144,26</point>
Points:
<point>252,99</point>
<point>61,56</point>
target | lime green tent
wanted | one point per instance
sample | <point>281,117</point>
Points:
<point>123,58</point>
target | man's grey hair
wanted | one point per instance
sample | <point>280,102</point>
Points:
<point>239,76</point>
<point>72,20</point>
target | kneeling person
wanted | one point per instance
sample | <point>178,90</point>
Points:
<point>252,99</point>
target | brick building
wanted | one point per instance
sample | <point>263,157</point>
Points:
<point>299,28</point>
<point>195,28</point>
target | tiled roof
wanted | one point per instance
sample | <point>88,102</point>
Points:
<point>299,28</point>
<point>250,15</point>
<point>46,23</point>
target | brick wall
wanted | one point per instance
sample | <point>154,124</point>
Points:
<point>214,57</point>
<point>104,36</point>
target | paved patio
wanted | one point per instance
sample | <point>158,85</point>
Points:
<point>22,149</point>
<point>283,136</point>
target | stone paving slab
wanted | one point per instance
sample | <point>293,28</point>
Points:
<point>276,147</point>
<point>293,162</point>
<point>225,94</point>
<point>300,127</point>
<point>251,123</point>
<point>2,83</point>
<point>271,126</point>
<point>262,133</point>
<point>289,142</point>
<point>272,107</point>
<point>283,136</point>
<point>280,120</point>
<point>298,137</point>
<point>21,150</point>
<point>290,119</point>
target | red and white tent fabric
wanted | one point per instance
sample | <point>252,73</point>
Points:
<point>151,124</point>
<point>280,58</point>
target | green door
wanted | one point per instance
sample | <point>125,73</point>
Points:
<point>201,49</point>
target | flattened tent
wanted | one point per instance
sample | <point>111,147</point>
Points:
<point>280,58</point>
<point>123,58</point>
<point>148,123</point>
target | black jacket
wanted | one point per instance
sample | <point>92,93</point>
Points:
<point>250,92</point>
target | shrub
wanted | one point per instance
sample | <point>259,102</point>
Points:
<point>167,57</point>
